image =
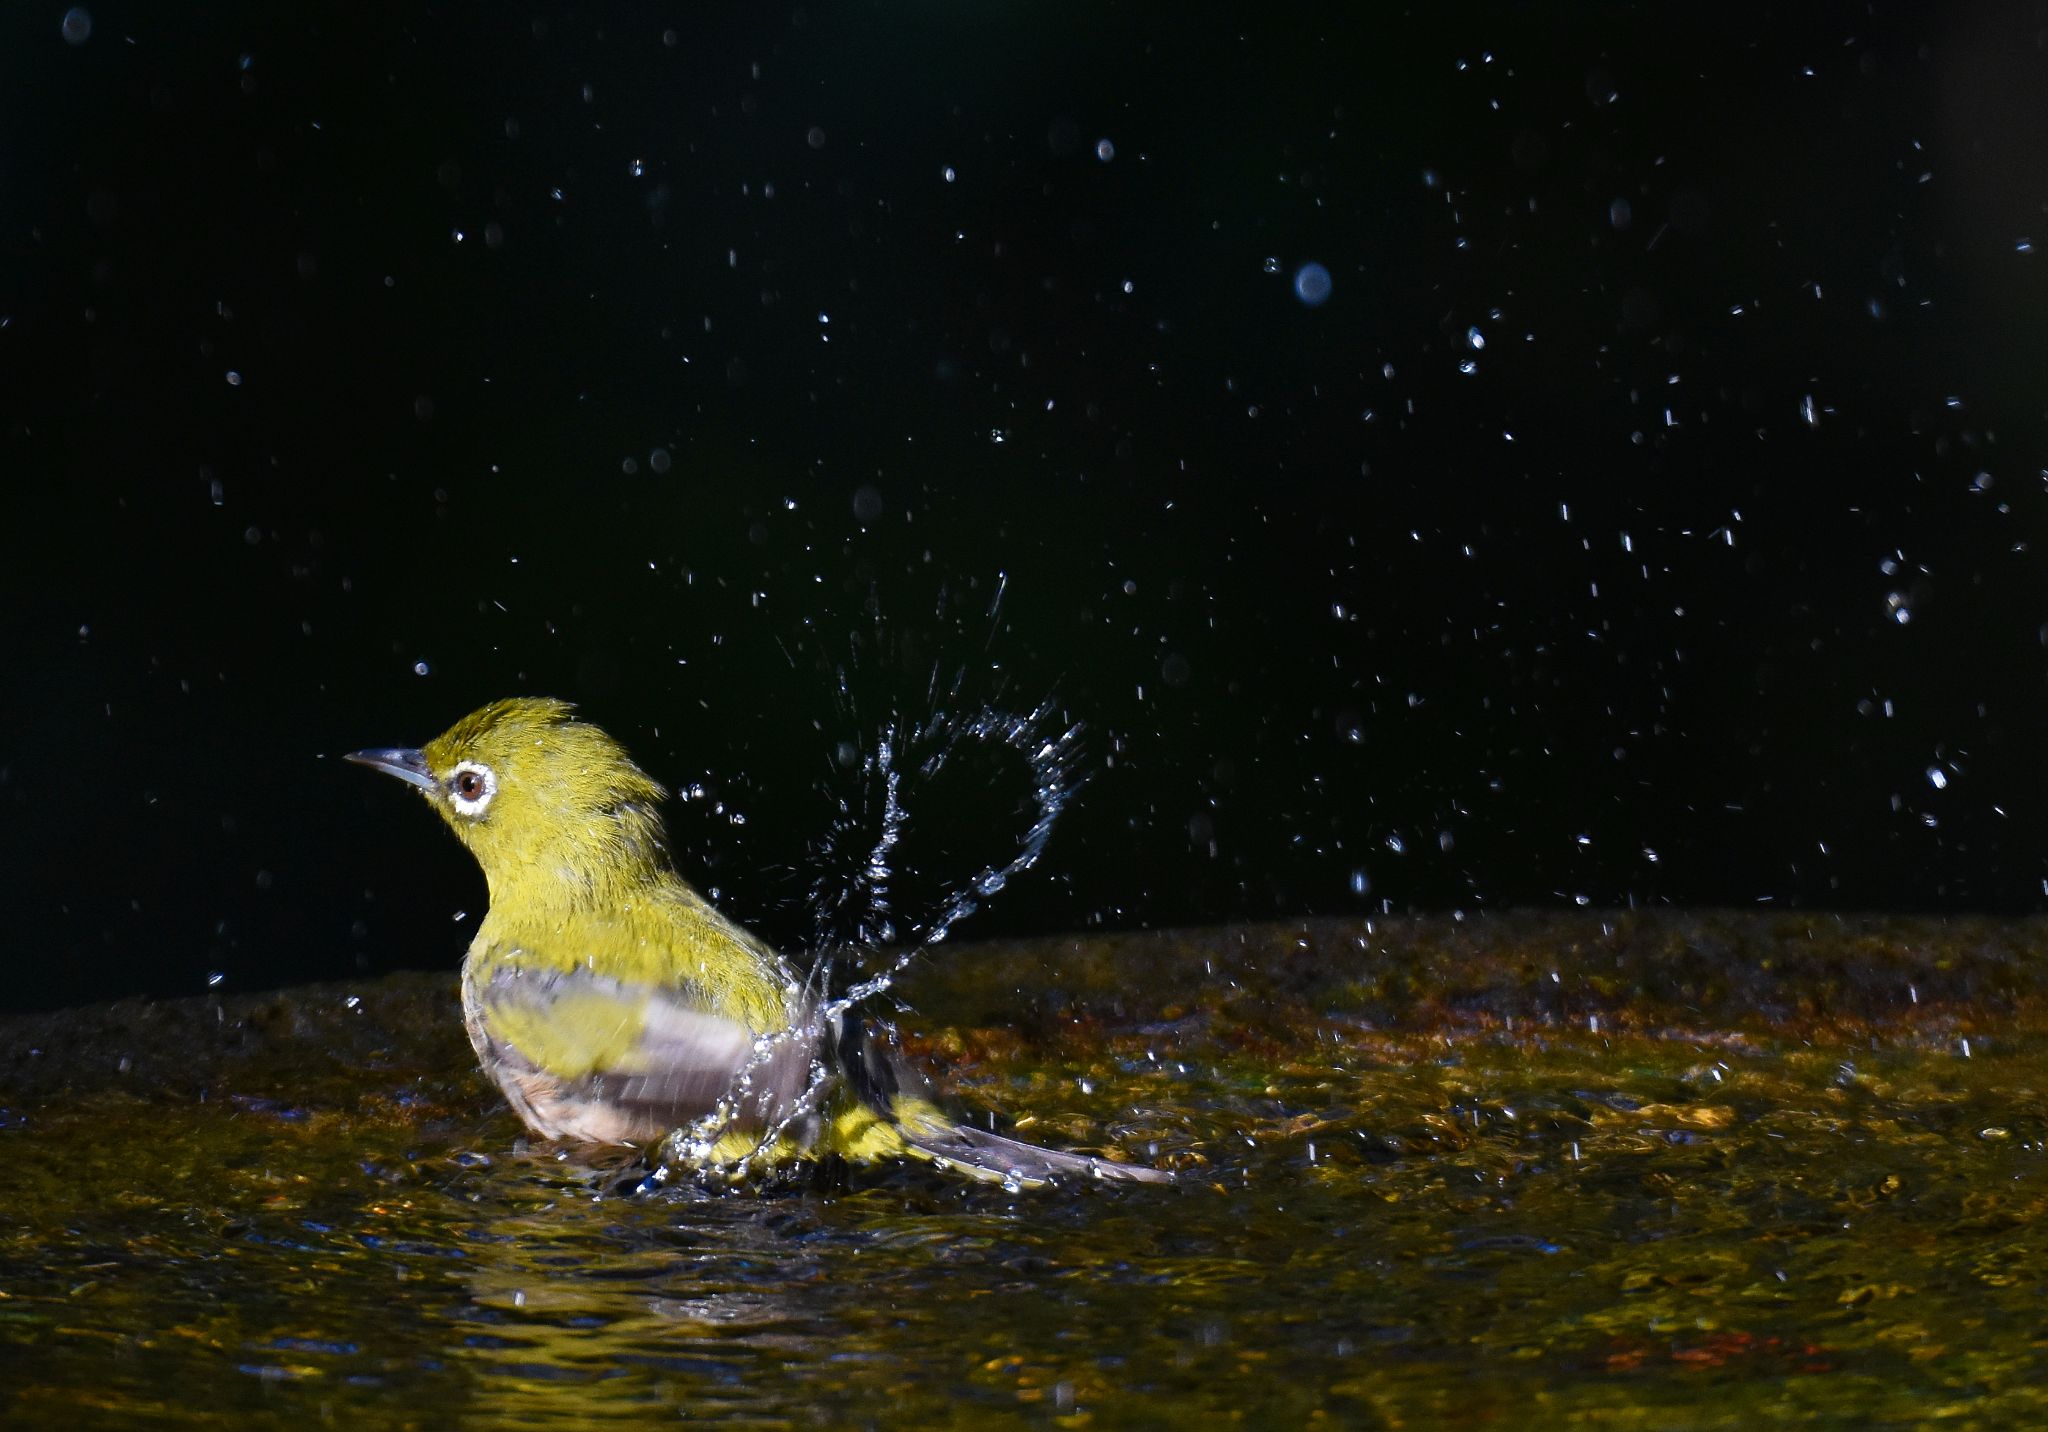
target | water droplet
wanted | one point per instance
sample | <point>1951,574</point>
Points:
<point>1937,777</point>
<point>949,174</point>
<point>1620,214</point>
<point>77,25</point>
<point>1272,264</point>
<point>1104,150</point>
<point>420,668</point>
<point>1474,339</point>
<point>1312,284</point>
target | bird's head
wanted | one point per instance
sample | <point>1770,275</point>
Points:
<point>552,807</point>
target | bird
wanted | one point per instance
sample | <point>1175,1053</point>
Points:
<point>612,1004</point>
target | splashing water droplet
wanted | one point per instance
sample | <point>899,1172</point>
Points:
<point>1313,285</point>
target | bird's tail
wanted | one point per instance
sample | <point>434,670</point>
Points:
<point>991,1158</point>
<point>987,1157</point>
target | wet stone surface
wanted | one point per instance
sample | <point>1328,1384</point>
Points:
<point>1626,1170</point>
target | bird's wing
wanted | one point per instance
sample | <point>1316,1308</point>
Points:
<point>638,1050</point>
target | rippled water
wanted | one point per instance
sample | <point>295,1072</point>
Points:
<point>1674,1171</point>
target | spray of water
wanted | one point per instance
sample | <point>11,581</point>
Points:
<point>1049,750</point>
<point>859,927</point>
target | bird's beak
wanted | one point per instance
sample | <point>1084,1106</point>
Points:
<point>408,766</point>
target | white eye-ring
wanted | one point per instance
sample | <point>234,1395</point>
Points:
<point>471,787</point>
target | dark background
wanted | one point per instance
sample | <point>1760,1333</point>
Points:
<point>720,371</point>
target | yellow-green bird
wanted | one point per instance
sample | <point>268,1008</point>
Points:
<point>613,1004</point>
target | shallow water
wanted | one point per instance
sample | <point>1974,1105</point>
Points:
<point>1642,1170</point>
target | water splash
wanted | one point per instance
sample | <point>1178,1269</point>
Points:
<point>864,939</point>
<point>1050,750</point>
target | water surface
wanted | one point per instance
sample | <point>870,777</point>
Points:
<point>1623,1170</point>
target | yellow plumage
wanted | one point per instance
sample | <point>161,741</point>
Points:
<point>613,1004</point>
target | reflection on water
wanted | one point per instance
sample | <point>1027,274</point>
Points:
<point>1649,1171</point>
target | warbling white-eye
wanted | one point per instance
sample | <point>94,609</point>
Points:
<point>613,1004</point>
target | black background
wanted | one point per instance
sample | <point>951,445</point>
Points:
<point>342,343</point>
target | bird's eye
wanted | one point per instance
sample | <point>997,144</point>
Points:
<point>471,787</point>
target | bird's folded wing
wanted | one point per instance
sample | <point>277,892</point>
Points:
<point>638,1047</point>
